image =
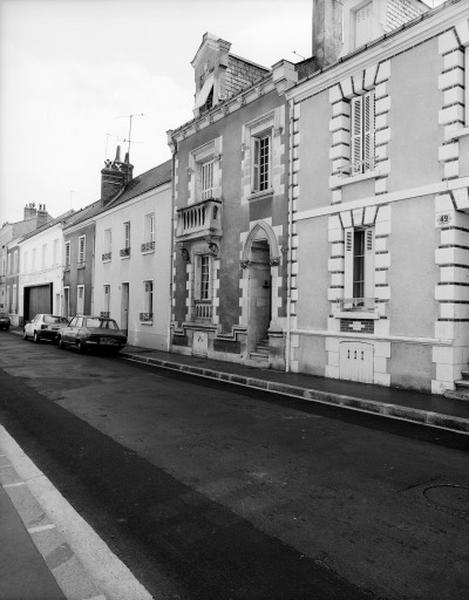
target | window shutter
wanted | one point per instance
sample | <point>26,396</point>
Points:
<point>356,134</point>
<point>348,268</point>
<point>197,278</point>
<point>369,263</point>
<point>255,165</point>
<point>368,131</point>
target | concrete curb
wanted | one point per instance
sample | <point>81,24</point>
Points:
<point>391,411</point>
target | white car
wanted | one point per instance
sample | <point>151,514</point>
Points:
<point>44,327</point>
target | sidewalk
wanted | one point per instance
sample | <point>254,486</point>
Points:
<point>416,407</point>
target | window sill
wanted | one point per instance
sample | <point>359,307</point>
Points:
<point>356,315</point>
<point>341,180</point>
<point>81,266</point>
<point>146,322</point>
<point>260,195</point>
<point>144,252</point>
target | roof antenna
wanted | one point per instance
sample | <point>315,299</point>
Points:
<point>297,54</point>
<point>129,139</point>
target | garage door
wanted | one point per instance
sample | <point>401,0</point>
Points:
<point>37,299</point>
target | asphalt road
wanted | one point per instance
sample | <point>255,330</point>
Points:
<point>208,493</point>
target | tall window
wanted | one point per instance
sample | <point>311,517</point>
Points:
<point>55,252</point>
<point>25,262</point>
<point>147,314</point>
<point>66,305</point>
<point>127,234</point>
<point>149,239</point>
<point>67,254</point>
<point>15,261</point>
<point>202,287</point>
<point>261,163</point>
<point>362,24</point>
<point>107,300</point>
<point>359,268</point>
<point>43,255</point>
<point>206,179</point>
<point>81,249</point>
<point>363,133</point>
<point>80,299</point>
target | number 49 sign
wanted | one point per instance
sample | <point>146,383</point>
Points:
<point>444,220</point>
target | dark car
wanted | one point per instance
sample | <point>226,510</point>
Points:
<point>85,332</point>
<point>44,327</point>
<point>4,321</point>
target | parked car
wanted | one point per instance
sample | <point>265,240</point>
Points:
<point>84,332</point>
<point>4,321</point>
<point>43,327</point>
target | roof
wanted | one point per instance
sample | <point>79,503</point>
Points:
<point>143,183</point>
<point>60,219</point>
<point>84,213</point>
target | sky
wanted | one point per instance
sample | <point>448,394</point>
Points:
<point>71,70</point>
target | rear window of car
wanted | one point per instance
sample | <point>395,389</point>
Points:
<point>52,319</point>
<point>102,323</point>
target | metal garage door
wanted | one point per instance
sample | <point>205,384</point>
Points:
<point>37,299</point>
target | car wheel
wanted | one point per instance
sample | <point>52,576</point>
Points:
<point>36,338</point>
<point>60,342</point>
<point>25,337</point>
<point>80,346</point>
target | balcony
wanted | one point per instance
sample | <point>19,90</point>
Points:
<point>106,257</point>
<point>202,310</point>
<point>147,247</point>
<point>199,220</point>
<point>146,318</point>
<point>356,304</point>
<point>125,252</point>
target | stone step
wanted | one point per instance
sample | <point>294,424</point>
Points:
<point>465,374</point>
<point>462,383</point>
<point>460,394</point>
<point>258,355</point>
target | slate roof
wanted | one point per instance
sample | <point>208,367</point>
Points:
<point>61,218</point>
<point>143,183</point>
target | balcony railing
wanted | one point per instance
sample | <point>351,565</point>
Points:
<point>199,220</point>
<point>203,309</point>
<point>145,317</point>
<point>105,314</point>
<point>356,304</point>
<point>148,246</point>
<point>125,252</point>
<point>106,256</point>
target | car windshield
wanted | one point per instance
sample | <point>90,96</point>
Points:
<point>53,319</point>
<point>101,323</point>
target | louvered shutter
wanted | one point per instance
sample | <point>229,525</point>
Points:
<point>369,263</point>
<point>348,268</point>
<point>368,131</point>
<point>255,165</point>
<point>356,134</point>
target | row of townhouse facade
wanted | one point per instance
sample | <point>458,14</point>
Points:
<point>313,218</point>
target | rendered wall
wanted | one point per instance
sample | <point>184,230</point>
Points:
<point>421,373</point>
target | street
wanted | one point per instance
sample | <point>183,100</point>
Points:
<point>206,492</point>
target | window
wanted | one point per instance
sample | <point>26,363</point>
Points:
<point>55,252</point>
<point>81,249</point>
<point>359,268</point>
<point>149,233</point>
<point>363,133</point>
<point>15,261</point>
<point>107,254</point>
<point>206,180</point>
<point>80,299</point>
<point>261,163</point>
<point>15,299</point>
<point>202,288</point>
<point>25,262</point>
<point>125,251</point>
<point>127,234</point>
<point>67,254</point>
<point>466,89</point>
<point>147,315</point>
<point>107,301</point>
<point>362,24</point>
<point>43,255</point>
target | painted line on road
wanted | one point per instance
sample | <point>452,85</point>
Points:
<point>13,485</point>
<point>397,412</point>
<point>102,574</point>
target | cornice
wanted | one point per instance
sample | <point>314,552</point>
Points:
<point>383,49</point>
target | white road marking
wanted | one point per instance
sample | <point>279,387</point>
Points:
<point>40,528</point>
<point>13,485</point>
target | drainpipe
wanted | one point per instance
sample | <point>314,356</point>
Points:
<point>289,235</point>
<point>171,259</point>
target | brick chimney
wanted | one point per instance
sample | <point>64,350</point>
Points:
<point>30,211</point>
<point>327,31</point>
<point>115,176</point>
<point>42,215</point>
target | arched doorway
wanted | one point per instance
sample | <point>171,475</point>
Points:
<point>260,253</point>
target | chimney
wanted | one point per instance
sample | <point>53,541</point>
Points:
<point>327,31</point>
<point>115,176</point>
<point>30,211</point>
<point>42,215</point>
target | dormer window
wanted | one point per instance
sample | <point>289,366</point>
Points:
<point>362,24</point>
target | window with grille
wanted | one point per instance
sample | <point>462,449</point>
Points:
<point>107,299</point>
<point>363,133</point>
<point>359,267</point>
<point>127,234</point>
<point>81,249</point>
<point>261,163</point>
<point>206,180</point>
<point>204,277</point>
<point>67,254</point>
